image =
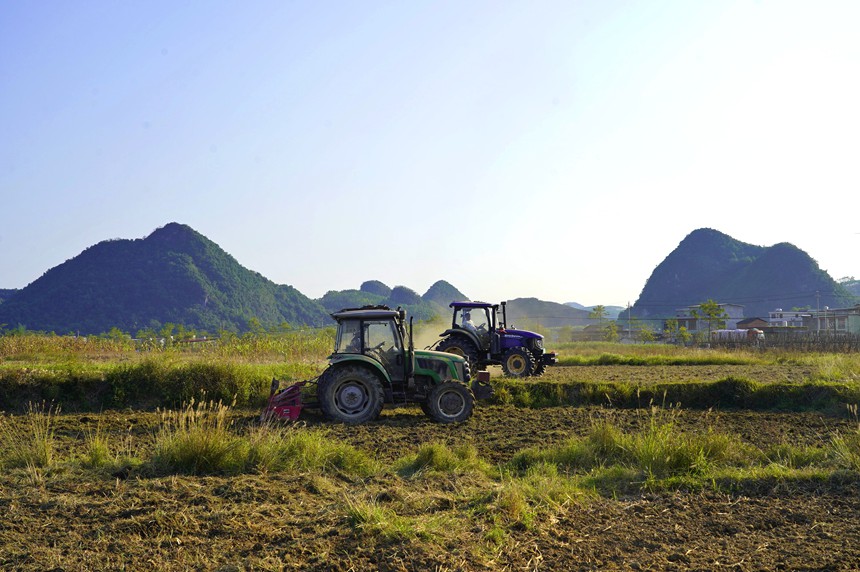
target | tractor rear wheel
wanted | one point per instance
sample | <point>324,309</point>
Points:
<point>350,394</point>
<point>461,346</point>
<point>450,402</point>
<point>518,362</point>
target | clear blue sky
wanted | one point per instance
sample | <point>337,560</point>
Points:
<point>559,150</point>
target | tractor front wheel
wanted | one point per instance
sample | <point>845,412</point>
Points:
<point>450,402</point>
<point>518,362</point>
<point>461,346</point>
<point>350,394</point>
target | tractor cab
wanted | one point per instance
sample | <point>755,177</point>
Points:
<point>475,319</point>
<point>376,336</point>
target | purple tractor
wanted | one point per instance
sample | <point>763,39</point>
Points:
<point>480,334</point>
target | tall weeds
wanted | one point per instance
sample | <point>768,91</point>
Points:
<point>28,441</point>
<point>198,440</point>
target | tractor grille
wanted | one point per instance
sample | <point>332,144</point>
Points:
<point>437,366</point>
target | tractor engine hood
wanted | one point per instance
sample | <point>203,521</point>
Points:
<point>433,354</point>
<point>521,333</point>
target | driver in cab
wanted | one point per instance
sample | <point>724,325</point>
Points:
<point>467,323</point>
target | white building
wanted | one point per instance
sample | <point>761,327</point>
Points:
<point>792,318</point>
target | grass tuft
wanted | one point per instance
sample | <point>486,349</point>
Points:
<point>277,448</point>
<point>660,451</point>
<point>197,440</point>
<point>374,519</point>
<point>29,440</point>
<point>438,458</point>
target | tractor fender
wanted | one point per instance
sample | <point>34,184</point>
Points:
<point>364,361</point>
<point>464,333</point>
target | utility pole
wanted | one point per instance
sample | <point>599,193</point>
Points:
<point>629,331</point>
<point>818,309</point>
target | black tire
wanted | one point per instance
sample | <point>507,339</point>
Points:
<point>450,402</point>
<point>518,362</point>
<point>540,367</point>
<point>350,394</point>
<point>461,346</point>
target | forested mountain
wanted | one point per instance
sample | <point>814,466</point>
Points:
<point>174,275</point>
<point>5,294</point>
<point>443,293</point>
<point>708,264</point>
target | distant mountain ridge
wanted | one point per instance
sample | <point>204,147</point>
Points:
<point>522,312</point>
<point>611,312</point>
<point>850,284</point>
<point>178,275</point>
<point>373,292</point>
<point>708,264</point>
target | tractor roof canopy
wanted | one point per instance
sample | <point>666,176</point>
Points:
<point>367,313</point>
<point>458,305</point>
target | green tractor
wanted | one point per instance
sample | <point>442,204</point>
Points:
<point>375,362</point>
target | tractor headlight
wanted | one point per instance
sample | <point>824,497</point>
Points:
<point>463,371</point>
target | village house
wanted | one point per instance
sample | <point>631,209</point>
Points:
<point>748,323</point>
<point>834,320</point>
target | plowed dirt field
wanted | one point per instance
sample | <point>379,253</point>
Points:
<point>69,519</point>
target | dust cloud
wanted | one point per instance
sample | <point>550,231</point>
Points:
<point>425,334</point>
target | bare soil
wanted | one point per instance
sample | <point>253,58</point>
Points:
<point>76,520</point>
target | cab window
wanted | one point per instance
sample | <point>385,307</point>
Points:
<point>349,338</point>
<point>381,336</point>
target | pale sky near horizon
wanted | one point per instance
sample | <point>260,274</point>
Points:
<point>550,149</point>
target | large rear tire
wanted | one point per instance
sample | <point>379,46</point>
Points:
<point>350,394</point>
<point>518,362</point>
<point>461,346</point>
<point>450,402</point>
